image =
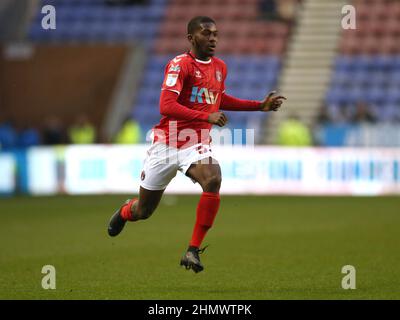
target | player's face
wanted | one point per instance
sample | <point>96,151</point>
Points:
<point>204,40</point>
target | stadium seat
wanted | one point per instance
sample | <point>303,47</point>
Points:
<point>95,21</point>
<point>371,78</point>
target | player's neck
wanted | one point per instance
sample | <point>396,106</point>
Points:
<point>198,56</point>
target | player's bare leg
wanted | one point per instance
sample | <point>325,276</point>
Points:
<point>208,175</point>
<point>135,209</point>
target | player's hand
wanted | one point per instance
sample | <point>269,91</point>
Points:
<point>272,103</point>
<point>217,118</point>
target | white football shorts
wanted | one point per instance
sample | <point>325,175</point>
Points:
<point>163,162</point>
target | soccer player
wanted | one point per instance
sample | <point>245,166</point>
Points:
<point>192,95</point>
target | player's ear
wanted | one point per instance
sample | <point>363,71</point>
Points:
<point>190,38</point>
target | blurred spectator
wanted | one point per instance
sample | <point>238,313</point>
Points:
<point>82,131</point>
<point>268,9</point>
<point>130,132</point>
<point>334,114</point>
<point>363,114</point>
<point>8,136</point>
<point>287,9</point>
<point>28,137</point>
<point>331,123</point>
<point>284,10</point>
<point>323,117</point>
<point>292,132</point>
<point>342,114</point>
<point>53,132</point>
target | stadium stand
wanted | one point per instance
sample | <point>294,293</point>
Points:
<point>96,21</point>
<point>367,67</point>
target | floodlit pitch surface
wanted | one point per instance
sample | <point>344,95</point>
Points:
<point>260,248</point>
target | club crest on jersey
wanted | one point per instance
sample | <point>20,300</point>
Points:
<point>198,93</point>
<point>173,68</point>
<point>218,75</point>
<point>171,79</point>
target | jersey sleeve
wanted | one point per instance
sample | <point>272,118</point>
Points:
<point>235,104</point>
<point>169,106</point>
<point>174,76</point>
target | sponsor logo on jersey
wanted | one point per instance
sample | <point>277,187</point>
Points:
<point>218,75</point>
<point>199,93</point>
<point>174,68</point>
<point>171,79</point>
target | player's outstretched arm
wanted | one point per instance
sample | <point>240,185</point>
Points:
<point>271,103</point>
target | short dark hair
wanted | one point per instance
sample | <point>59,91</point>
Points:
<point>195,22</point>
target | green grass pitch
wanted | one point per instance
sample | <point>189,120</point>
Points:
<point>260,248</point>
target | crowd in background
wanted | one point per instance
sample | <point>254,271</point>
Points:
<point>53,132</point>
<point>292,131</point>
<point>361,112</point>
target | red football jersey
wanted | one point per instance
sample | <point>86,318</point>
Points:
<point>199,85</point>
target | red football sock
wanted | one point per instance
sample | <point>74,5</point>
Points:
<point>206,211</point>
<point>126,212</point>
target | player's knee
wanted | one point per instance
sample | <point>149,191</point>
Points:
<point>212,183</point>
